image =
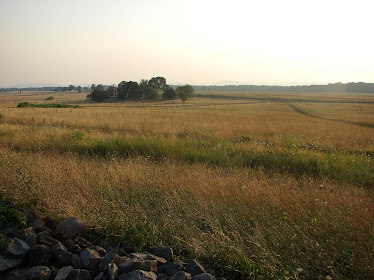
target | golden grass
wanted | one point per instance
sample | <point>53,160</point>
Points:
<point>254,221</point>
<point>278,222</point>
<point>264,121</point>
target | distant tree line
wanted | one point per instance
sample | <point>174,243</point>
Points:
<point>336,87</point>
<point>152,89</point>
<point>55,89</point>
<point>147,93</point>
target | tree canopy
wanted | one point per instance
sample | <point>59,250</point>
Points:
<point>184,92</point>
<point>145,89</point>
<point>99,93</point>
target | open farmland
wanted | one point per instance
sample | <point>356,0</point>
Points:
<point>267,185</point>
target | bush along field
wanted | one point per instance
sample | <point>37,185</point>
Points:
<point>251,189</point>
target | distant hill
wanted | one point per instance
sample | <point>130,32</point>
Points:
<point>336,87</point>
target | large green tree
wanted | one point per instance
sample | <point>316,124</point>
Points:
<point>185,92</point>
<point>98,94</point>
<point>129,90</point>
<point>158,83</point>
<point>147,91</point>
<point>169,93</point>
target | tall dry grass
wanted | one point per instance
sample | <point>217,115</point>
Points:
<point>185,176</point>
<point>246,220</point>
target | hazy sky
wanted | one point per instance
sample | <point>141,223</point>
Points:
<point>197,41</point>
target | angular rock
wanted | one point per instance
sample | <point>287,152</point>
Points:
<point>164,252</point>
<point>160,261</point>
<point>47,232</point>
<point>140,256</point>
<point>63,273</point>
<point>138,275</point>
<point>39,273</point>
<point>121,252</point>
<point>128,265</point>
<point>171,267</point>
<point>100,250</point>
<point>76,261</point>
<point>71,228</point>
<point>90,259</point>
<point>39,255</point>
<point>32,239</point>
<point>75,249</point>
<point>163,276</point>
<point>18,248</point>
<point>23,233</point>
<point>15,274</point>
<point>110,257</point>
<point>54,271</point>
<point>181,275</point>
<point>128,247</point>
<point>147,265</point>
<point>38,225</point>
<point>104,243</point>
<point>203,276</point>
<point>8,263</point>
<point>195,268</point>
<point>45,238</point>
<point>83,243</point>
<point>62,254</point>
<point>68,243</point>
<point>100,276</point>
<point>81,274</point>
<point>111,272</point>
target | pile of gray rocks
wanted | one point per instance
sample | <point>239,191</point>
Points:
<point>47,250</point>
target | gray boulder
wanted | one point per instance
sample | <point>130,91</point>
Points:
<point>195,268</point>
<point>90,259</point>
<point>171,267</point>
<point>71,228</point>
<point>39,255</point>
<point>81,274</point>
<point>160,261</point>
<point>110,257</point>
<point>7,263</point>
<point>62,254</point>
<point>164,252</point>
<point>83,243</point>
<point>111,272</point>
<point>128,266</point>
<point>39,273</point>
<point>63,273</point>
<point>138,275</point>
<point>181,275</point>
<point>18,248</point>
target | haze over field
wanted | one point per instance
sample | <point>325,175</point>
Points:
<point>196,42</point>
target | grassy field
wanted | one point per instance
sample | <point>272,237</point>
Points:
<point>268,185</point>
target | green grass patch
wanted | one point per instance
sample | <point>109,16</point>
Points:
<point>340,166</point>
<point>27,104</point>
<point>11,215</point>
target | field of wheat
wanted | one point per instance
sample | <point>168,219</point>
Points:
<point>251,184</point>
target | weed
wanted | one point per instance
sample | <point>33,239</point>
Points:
<point>12,215</point>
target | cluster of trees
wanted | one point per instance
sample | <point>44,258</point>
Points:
<point>336,87</point>
<point>146,89</point>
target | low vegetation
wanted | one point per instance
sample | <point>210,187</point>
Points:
<point>253,189</point>
<point>27,104</point>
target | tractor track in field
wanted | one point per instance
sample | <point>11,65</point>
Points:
<point>298,110</point>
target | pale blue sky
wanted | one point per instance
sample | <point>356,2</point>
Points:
<point>197,42</point>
